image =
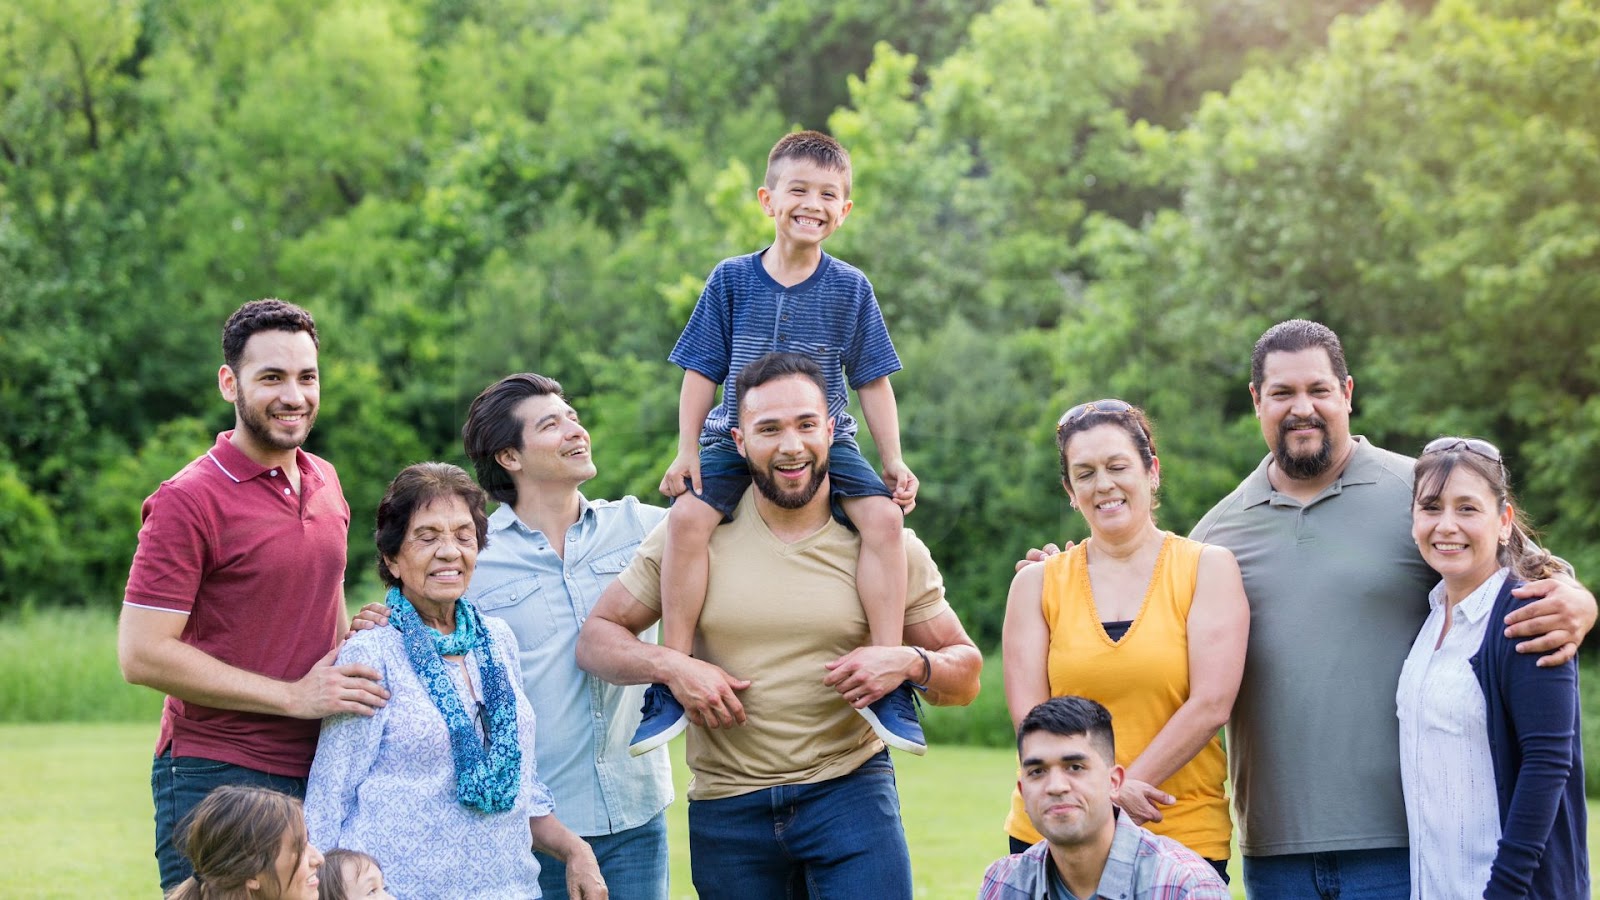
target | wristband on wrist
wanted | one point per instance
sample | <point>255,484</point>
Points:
<point>927,670</point>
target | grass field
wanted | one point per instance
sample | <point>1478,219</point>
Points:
<point>74,777</point>
<point>76,817</point>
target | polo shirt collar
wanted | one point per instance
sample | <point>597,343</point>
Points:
<point>505,517</point>
<point>1364,467</point>
<point>238,467</point>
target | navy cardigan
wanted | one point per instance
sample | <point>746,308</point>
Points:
<point>1537,750</point>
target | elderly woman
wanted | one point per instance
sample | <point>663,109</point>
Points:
<point>1490,752</point>
<point>1149,624</point>
<point>439,784</point>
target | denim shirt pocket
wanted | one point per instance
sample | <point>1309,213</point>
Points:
<point>522,605</point>
<point>603,569</point>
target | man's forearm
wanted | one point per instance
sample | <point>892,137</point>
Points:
<point>614,654</point>
<point>953,674</point>
<point>192,675</point>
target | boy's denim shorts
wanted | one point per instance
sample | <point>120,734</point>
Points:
<point>724,477</point>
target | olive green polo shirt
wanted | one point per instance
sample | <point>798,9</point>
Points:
<point>1337,591</point>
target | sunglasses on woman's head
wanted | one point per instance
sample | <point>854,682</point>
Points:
<point>1471,445</point>
<point>1083,409</point>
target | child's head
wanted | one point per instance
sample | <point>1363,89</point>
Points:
<point>248,842</point>
<point>808,146</point>
<point>351,875</point>
<point>807,190</point>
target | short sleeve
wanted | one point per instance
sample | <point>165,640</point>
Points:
<point>706,343</point>
<point>642,577</point>
<point>870,354</point>
<point>170,560</point>
<point>924,584</point>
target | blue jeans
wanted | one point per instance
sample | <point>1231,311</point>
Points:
<point>1382,874</point>
<point>633,863</point>
<point>178,784</point>
<point>825,841</point>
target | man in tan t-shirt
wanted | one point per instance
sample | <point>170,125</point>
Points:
<point>791,788</point>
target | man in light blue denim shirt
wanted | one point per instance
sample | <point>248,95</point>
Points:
<point>551,552</point>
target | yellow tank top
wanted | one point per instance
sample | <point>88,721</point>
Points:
<point>1142,679</point>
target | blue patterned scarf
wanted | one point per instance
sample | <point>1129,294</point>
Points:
<point>486,780</point>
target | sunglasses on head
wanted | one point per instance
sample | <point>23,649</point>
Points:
<point>1471,445</point>
<point>1083,409</point>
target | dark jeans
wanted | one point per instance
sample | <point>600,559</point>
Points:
<point>1382,874</point>
<point>1221,865</point>
<point>178,784</point>
<point>830,840</point>
<point>633,863</point>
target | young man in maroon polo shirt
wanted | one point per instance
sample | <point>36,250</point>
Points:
<point>235,601</point>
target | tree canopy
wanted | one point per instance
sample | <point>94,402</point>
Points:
<point>1057,200</point>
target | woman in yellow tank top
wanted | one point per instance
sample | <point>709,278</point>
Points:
<point>1149,624</point>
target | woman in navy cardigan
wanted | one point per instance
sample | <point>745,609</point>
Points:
<point>1490,751</point>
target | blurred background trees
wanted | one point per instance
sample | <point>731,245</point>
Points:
<point>1058,200</point>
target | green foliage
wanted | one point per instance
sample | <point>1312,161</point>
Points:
<point>31,550</point>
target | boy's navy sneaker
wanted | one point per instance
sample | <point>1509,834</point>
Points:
<point>663,720</point>
<point>894,717</point>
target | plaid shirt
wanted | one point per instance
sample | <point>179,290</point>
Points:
<point>1142,866</point>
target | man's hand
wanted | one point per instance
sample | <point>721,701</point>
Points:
<point>330,689</point>
<point>373,615</point>
<point>584,881</point>
<point>867,673</point>
<point>1556,623</point>
<point>1039,554</point>
<point>902,485</point>
<point>684,465</point>
<point>708,693</point>
<point>1139,800</point>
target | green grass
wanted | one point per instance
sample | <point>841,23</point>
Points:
<point>76,821</point>
<point>60,665</point>
<point>77,816</point>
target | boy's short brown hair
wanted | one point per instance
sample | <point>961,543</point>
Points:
<point>812,146</point>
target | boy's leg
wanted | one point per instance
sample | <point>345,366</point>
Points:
<point>881,583</point>
<point>685,564</point>
<point>881,570</point>
<point>685,569</point>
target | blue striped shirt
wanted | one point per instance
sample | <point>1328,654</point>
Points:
<point>832,317</point>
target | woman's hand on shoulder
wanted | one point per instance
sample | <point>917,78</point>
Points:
<point>1140,800</point>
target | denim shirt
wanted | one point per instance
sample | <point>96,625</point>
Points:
<point>584,724</point>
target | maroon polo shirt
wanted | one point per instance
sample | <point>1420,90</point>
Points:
<point>259,572</point>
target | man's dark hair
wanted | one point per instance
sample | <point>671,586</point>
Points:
<point>1068,716</point>
<point>416,486</point>
<point>262,315</point>
<point>813,147</point>
<point>492,425</point>
<point>1292,337</point>
<point>773,366</point>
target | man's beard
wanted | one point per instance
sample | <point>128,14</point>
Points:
<point>768,486</point>
<point>1303,468</point>
<point>259,425</point>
